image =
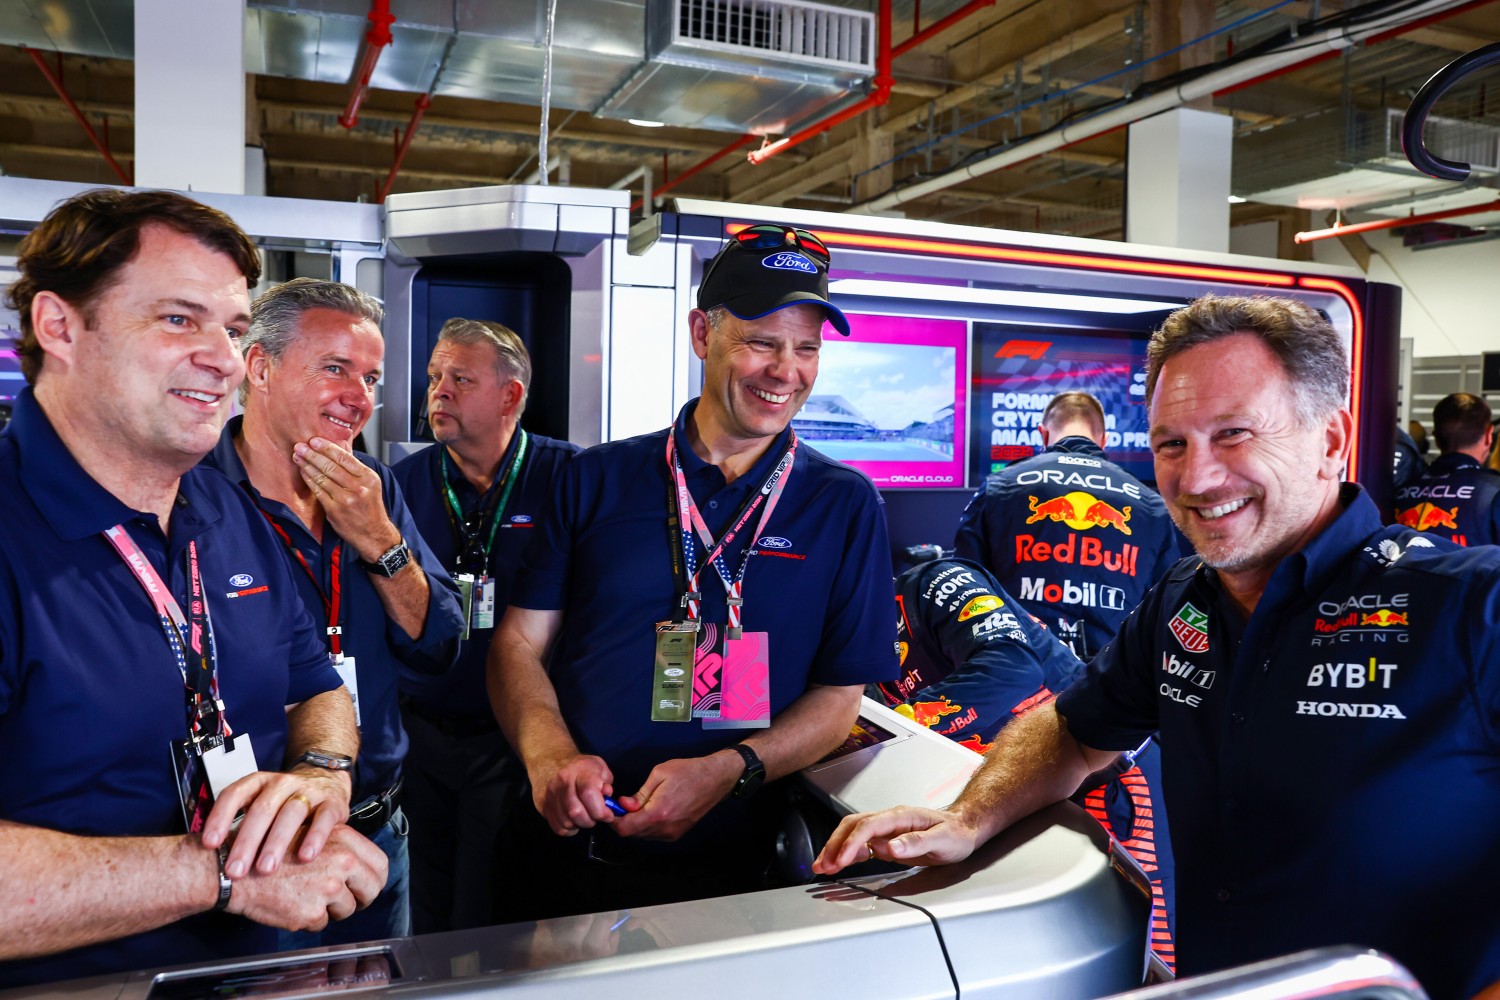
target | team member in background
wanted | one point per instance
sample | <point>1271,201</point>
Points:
<point>1077,539</point>
<point>313,353</point>
<point>972,660</point>
<point>152,646</point>
<point>477,496</point>
<point>1409,463</point>
<point>1457,498</point>
<point>1308,671</point>
<point>621,669</point>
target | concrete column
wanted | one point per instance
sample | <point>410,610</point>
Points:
<point>190,95</point>
<point>1177,180</point>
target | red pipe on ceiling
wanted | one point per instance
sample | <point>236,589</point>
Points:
<point>877,99</point>
<point>698,168</point>
<point>56,80</point>
<point>1406,220</point>
<point>376,38</point>
<point>424,101</point>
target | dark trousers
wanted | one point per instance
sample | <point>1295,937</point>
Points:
<point>462,788</point>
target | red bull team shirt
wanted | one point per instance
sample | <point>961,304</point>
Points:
<point>1457,498</point>
<point>1332,766</point>
<point>1075,538</point>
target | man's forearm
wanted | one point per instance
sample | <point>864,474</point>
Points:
<point>322,722</point>
<point>524,700</point>
<point>405,598</point>
<point>59,891</point>
<point>1033,763</point>
<point>806,730</point>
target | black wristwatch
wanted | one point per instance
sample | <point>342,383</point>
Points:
<point>754,774</point>
<point>391,560</point>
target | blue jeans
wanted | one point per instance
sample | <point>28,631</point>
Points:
<point>388,917</point>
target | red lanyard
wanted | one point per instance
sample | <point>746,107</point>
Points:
<point>195,632</point>
<point>692,521</point>
<point>331,596</point>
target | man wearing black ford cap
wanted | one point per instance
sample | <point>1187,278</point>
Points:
<point>709,601</point>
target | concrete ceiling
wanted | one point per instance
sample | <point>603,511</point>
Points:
<point>1011,70</point>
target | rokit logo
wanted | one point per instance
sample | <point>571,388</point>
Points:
<point>1088,594</point>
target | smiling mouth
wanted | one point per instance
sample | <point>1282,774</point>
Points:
<point>199,396</point>
<point>771,397</point>
<point>1214,513</point>
<point>342,423</point>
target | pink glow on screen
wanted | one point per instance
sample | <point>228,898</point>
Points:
<point>895,387</point>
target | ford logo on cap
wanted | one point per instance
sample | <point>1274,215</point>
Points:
<point>789,260</point>
<point>241,580</point>
<point>775,542</point>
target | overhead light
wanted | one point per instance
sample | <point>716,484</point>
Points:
<point>643,123</point>
<point>1060,301</point>
<point>1235,199</point>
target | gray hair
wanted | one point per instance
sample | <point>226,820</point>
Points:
<point>1304,342</point>
<point>511,357</point>
<point>276,316</point>
<point>716,317</point>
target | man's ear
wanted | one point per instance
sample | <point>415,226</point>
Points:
<point>699,328</point>
<point>56,325</point>
<point>1338,434</point>
<point>514,393</point>
<point>257,368</point>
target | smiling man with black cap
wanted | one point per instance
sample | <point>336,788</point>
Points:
<point>708,601</point>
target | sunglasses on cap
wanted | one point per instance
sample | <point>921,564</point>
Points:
<point>769,237</point>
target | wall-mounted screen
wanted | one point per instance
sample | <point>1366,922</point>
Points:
<point>1017,371</point>
<point>889,400</point>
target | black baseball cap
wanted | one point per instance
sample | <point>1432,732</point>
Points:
<point>768,267</point>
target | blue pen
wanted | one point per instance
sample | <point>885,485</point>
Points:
<point>614,806</point>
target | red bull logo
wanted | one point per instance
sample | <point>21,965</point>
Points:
<point>1425,516</point>
<point>1080,510</point>
<point>927,713</point>
<point>1383,618</point>
<point>974,742</point>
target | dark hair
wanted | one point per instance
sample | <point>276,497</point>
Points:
<point>79,249</point>
<point>1459,421</point>
<point>1072,407</point>
<point>1310,352</point>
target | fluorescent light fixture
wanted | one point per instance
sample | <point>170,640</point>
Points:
<point>643,123</point>
<point>1061,301</point>
<point>1235,199</point>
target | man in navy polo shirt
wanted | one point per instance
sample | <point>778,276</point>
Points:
<point>313,353</point>
<point>477,497</point>
<point>1327,689</point>
<point>152,645</point>
<point>1074,537</point>
<point>682,672</point>
<point>1457,498</point>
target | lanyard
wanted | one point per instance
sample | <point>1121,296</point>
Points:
<point>331,596</point>
<point>496,511</point>
<point>684,525</point>
<point>195,632</point>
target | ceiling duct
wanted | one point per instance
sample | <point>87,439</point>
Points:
<point>756,66</point>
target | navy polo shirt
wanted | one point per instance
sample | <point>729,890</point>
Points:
<point>971,657</point>
<point>380,646</point>
<point>1332,766</point>
<point>90,692</point>
<point>1076,539</point>
<point>461,692</point>
<point>1456,498</point>
<point>819,583</point>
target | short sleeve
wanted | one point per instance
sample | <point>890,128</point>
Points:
<point>859,635</point>
<point>542,579</point>
<point>1113,706</point>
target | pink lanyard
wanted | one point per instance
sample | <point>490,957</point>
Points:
<point>205,714</point>
<point>734,587</point>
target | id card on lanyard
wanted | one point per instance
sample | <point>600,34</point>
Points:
<point>211,757</point>
<point>471,569</point>
<point>731,680</point>
<point>343,665</point>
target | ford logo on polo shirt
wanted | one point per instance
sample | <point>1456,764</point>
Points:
<point>521,519</point>
<point>789,260</point>
<point>241,580</point>
<point>775,542</point>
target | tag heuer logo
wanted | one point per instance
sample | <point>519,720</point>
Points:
<point>1191,629</point>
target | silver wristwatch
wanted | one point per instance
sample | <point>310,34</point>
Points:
<point>391,561</point>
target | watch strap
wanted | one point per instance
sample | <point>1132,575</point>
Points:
<point>226,885</point>
<point>392,561</point>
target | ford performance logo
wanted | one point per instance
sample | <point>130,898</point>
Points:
<point>789,260</point>
<point>775,542</point>
<point>241,580</point>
